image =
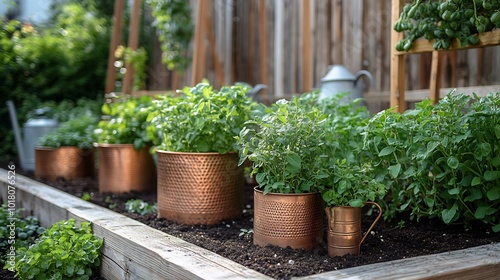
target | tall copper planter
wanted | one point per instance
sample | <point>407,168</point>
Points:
<point>122,168</point>
<point>199,188</point>
<point>344,229</point>
<point>66,162</point>
<point>294,220</point>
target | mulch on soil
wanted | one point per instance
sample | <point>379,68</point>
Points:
<point>399,239</point>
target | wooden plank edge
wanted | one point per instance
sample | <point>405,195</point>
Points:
<point>486,39</point>
<point>131,249</point>
<point>482,262</point>
<point>421,94</point>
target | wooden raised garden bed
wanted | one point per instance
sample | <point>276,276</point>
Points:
<point>133,250</point>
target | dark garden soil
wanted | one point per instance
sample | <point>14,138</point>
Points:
<point>386,242</point>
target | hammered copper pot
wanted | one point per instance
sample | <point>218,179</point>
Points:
<point>344,229</point>
<point>294,220</point>
<point>199,188</point>
<point>66,162</point>
<point>122,168</point>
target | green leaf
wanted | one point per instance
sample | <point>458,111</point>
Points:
<point>454,191</point>
<point>475,194</point>
<point>491,175</point>
<point>449,214</point>
<point>496,161</point>
<point>497,131</point>
<point>494,193</point>
<point>476,181</point>
<point>394,170</point>
<point>483,211</point>
<point>452,162</point>
<point>203,146</point>
<point>431,146</point>
<point>496,228</point>
<point>386,151</point>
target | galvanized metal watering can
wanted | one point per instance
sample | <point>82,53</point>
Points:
<point>33,130</point>
<point>340,80</point>
<point>344,229</point>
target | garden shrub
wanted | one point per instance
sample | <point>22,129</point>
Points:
<point>441,160</point>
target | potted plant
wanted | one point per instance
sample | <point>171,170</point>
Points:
<point>123,144</point>
<point>199,180</point>
<point>286,148</point>
<point>67,151</point>
<point>350,183</point>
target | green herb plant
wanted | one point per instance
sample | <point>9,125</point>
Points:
<point>204,119</point>
<point>64,251</point>
<point>76,132</point>
<point>444,21</point>
<point>138,206</point>
<point>350,180</point>
<point>286,147</point>
<point>126,121</point>
<point>442,161</point>
<point>27,230</point>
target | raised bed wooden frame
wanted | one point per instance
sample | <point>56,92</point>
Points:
<point>133,250</point>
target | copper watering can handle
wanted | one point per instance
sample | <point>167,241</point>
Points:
<point>374,222</point>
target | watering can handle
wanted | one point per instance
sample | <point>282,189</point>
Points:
<point>366,73</point>
<point>374,222</point>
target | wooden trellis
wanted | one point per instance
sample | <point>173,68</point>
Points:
<point>397,87</point>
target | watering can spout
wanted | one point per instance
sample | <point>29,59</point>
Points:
<point>17,132</point>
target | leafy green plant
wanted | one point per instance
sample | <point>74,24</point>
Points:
<point>137,206</point>
<point>175,29</point>
<point>26,231</point>
<point>86,196</point>
<point>64,251</point>
<point>126,121</point>
<point>442,161</point>
<point>76,132</point>
<point>286,147</point>
<point>446,20</point>
<point>246,232</point>
<point>204,119</point>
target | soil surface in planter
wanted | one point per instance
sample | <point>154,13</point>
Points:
<point>398,239</point>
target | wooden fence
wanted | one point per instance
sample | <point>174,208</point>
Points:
<point>265,41</point>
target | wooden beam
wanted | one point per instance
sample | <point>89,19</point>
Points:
<point>278,49</point>
<point>306,46</point>
<point>199,44</point>
<point>228,79</point>
<point>337,33</point>
<point>435,80</point>
<point>133,44</point>
<point>219,74</point>
<point>263,46</point>
<point>490,38</point>
<point>115,40</point>
<point>397,62</point>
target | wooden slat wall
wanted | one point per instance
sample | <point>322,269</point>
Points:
<point>366,28</point>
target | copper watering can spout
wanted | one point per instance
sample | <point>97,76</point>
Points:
<point>344,229</point>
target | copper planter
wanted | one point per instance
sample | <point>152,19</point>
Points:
<point>344,229</point>
<point>294,220</point>
<point>122,168</point>
<point>199,188</point>
<point>66,162</point>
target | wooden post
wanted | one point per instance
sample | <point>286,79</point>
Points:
<point>306,46</point>
<point>199,44</point>
<point>278,49</point>
<point>115,39</point>
<point>435,81</point>
<point>337,35</point>
<point>219,75</point>
<point>397,62</point>
<point>229,47</point>
<point>133,43</point>
<point>263,45</point>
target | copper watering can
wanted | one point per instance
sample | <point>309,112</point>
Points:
<point>344,229</point>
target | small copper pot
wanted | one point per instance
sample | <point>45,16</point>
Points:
<point>122,168</point>
<point>66,162</point>
<point>294,220</point>
<point>344,229</point>
<point>199,188</point>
